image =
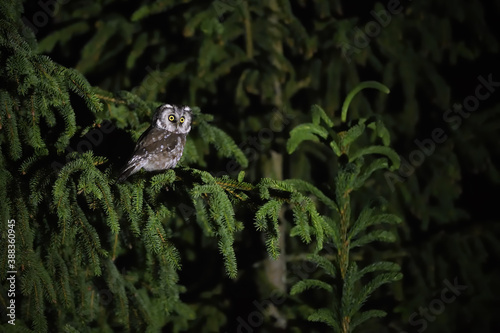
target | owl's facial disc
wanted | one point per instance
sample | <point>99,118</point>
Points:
<point>173,118</point>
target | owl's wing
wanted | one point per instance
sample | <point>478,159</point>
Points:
<point>154,141</point>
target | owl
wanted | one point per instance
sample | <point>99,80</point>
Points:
<point>160,147</point>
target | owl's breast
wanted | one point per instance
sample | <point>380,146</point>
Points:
<point>165,152</point>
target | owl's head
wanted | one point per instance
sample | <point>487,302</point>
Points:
<point>173,118</point>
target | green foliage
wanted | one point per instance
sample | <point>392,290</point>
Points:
<point>345,234</point>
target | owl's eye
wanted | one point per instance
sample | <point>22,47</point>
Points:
<point>171,118</point>
<point>181,120</point>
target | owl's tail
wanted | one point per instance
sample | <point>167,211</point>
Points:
<point>127,171</point>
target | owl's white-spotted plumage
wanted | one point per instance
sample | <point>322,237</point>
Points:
<point>161,146</point>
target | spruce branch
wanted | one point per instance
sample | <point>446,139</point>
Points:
<point>345,313</point>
